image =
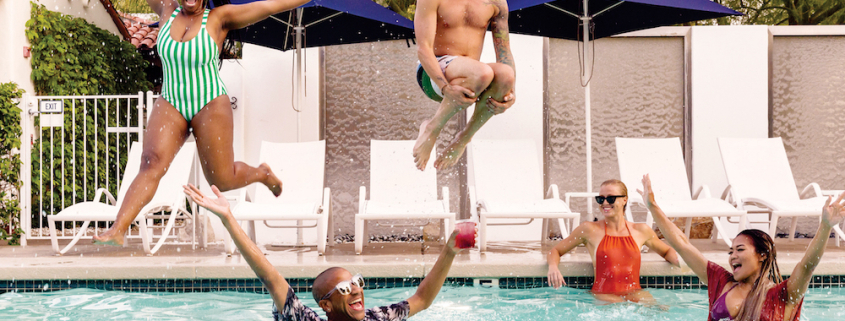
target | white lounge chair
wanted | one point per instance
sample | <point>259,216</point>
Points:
<point>399,191</point>
<point>662,159</point>
<point>509,189</point>
<point>304,200</point>
<point>169,197</point>
<point>760,179</point>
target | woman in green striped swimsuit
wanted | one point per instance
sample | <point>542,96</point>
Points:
<point>194,98</point>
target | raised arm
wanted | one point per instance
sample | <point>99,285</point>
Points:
<point>272,279</point>
<point>661,248</point>
<point>578,236</point>
<point>832,214</point>
<point>238,16</point>
<point>501,35</point>
<point>673,234</point>
<point>431,284</point>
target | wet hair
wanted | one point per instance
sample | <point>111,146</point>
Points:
<point>232,36</point>
<point>764,246</point>
<point>317,290</point>
<point>621,185</point>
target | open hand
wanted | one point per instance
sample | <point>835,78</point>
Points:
<point>647,193</point>
<point>219,206</point>
<point>462,96</point>
<point>498,107</point>
<point>555,278</point>
<point>834,210</point>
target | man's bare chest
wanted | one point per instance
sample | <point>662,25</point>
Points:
<point>466,13</point>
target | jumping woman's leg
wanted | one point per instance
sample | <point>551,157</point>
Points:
<point>166,132</point>
<point>213,126</point>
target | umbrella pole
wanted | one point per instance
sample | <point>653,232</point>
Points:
<point>588,123</point>
<point>298,72</point>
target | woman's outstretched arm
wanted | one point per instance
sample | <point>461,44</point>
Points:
<point>272,279</point>
<point>832,214</point>
<point>578,236</point>
<point>674,236</point>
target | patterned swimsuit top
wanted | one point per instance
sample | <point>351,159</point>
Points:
<point>191,78</point>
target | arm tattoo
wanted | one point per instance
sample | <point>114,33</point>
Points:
<point>501,38</point>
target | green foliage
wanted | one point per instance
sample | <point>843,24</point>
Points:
<point>784,12</point>
<point>73,57</point>
<point>10,162</point>
<point>132,6</point>
<point>406,8</point>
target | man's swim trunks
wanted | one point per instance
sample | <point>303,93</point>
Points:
<point>428,86</point>
<point>294,310</point>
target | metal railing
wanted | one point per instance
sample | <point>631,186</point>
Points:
<point>71,146</point>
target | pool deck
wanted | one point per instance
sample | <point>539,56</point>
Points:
<point>511,259</point>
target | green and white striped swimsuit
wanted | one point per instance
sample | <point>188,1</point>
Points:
<point>191,78</point>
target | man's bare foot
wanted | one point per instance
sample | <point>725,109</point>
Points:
<point>109,238</point>
<point>451,155</point>
<point>272,182</point>
<point>425,142</point>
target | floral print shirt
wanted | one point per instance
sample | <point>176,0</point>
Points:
<point>294,310</point>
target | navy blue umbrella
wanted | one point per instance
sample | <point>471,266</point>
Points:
<point>327,22</point>
<point>593,19</point>
<point>562,18</point>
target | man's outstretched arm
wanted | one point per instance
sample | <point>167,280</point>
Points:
<point>272,279</point>
<point>430,286</point>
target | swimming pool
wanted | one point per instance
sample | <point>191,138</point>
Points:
<point>453,303</point>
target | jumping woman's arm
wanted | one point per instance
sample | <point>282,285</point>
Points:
<point>234,17</point>
<point>661,248</point>
<point>673,234</point>
<point>578,236</point>
<point>832,214</point>
<point>272,279</point>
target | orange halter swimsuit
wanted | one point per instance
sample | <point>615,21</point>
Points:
<point>617,264</point>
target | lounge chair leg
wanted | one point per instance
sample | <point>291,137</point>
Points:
<point>688,227</point>
<point>774,226</point>
<point>792,228</point>
<point>720,231</point>
<point>564,230</point>
<point>54,240</point>
<point>544,232</point>
<point>482,233</point>
<point>359,235</point>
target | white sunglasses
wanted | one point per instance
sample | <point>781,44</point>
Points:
<point>345,287</point>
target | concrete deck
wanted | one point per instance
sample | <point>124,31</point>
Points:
<point>512,259</point>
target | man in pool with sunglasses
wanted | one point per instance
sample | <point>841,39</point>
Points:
<point>339,293</point>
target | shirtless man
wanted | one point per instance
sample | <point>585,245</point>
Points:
<point>450,36</point>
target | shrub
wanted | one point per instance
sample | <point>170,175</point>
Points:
<point>10,163</point>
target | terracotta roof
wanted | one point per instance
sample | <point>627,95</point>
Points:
<point>141,34</point>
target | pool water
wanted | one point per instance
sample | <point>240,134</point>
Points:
<point>453,303</point>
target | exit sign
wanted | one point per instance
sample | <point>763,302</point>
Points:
<point>50,106</point>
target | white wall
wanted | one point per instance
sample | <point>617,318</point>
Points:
<point>730,94</point>
<point>13,66</point>
<point>91,10</point>
<point>522,121</point>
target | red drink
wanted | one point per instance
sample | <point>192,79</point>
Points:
<point>466,235</point>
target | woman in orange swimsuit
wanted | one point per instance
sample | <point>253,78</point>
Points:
<point>754,288</point>
<point>614,245</point>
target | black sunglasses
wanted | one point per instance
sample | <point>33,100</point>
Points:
<point>610,199</point>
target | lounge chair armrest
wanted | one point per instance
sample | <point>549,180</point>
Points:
<point>702,192</point>
<point>553,192</point>
<point>362,199</point>
<point>727,195</point>
<point>814,188</point>
<point>102,191</point>
<point>445,195</point>
<point>568,196</point>
<point>832,192</point>
<point>242,196</point>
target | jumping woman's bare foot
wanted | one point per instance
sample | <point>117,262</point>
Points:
<point>109,238</point>
<point>451,155</point>
<point>425,142</point>
<point>272,182</point>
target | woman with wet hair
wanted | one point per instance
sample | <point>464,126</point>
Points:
<point>614,245</point>
<point>753,289</point>
<point>194,99</point>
